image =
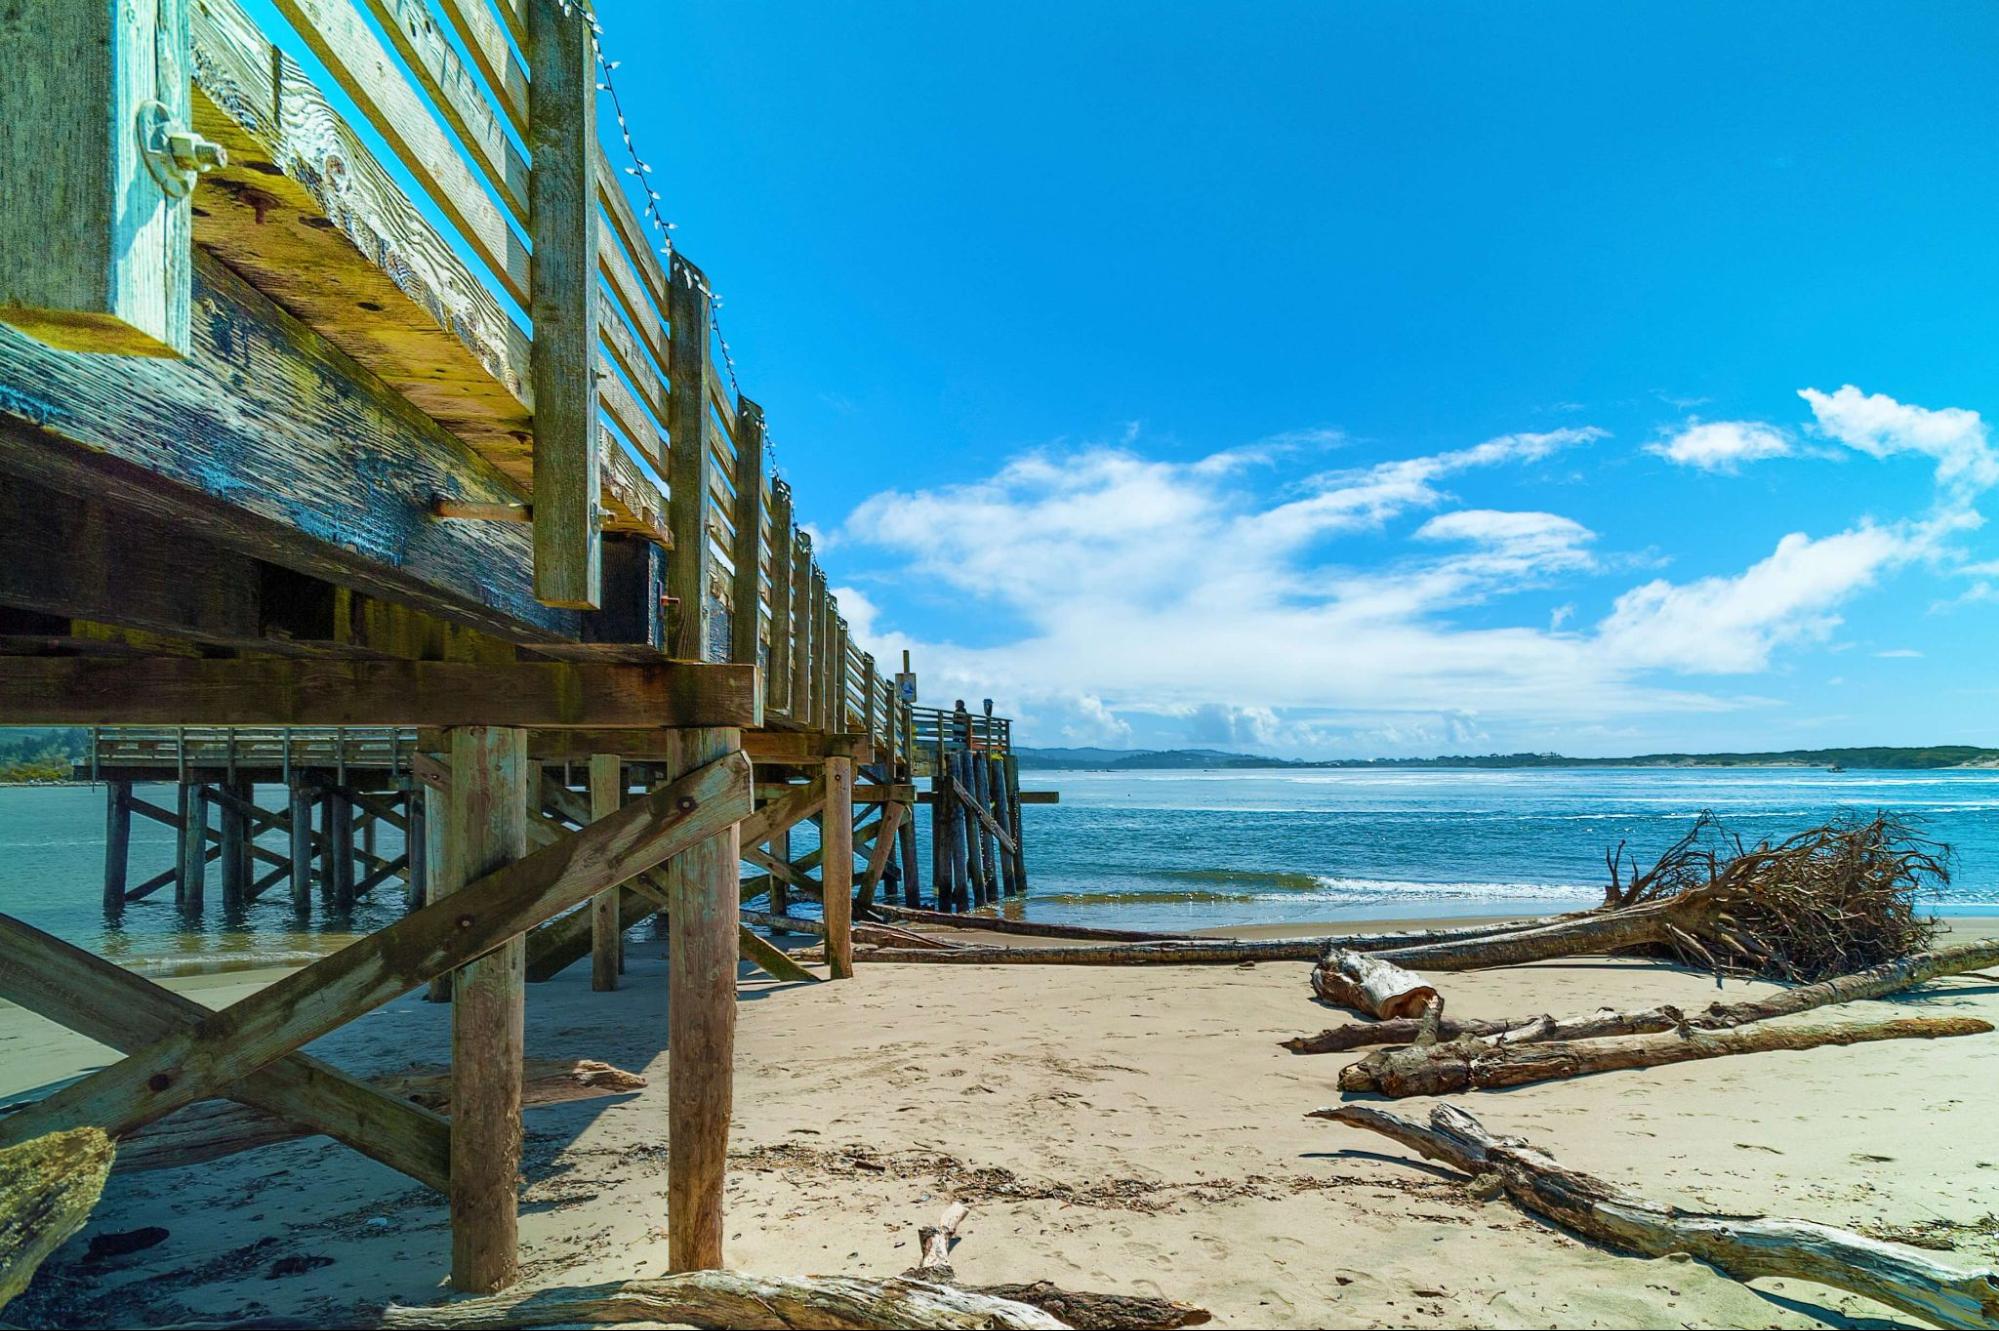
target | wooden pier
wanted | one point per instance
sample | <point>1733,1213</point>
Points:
<point>418,542</point>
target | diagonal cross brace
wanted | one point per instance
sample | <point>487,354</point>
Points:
<point>199,1061</point>
<point>113,1006</point>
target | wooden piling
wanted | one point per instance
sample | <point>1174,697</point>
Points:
<point>486,829</point>
<point>117,845</point>
<point>340,850</point>
<point>1010,769</point>
<point>302,797</point>
<point>912,886</point>
<point>836,866</point>
<point>701,1020</point>
<point>188,890</point>
<point>235,848</point>
<point>437,824</point>
<point>607,795</point>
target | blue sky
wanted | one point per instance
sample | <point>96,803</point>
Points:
<point>1371,379</point>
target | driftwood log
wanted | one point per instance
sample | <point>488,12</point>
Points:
<point>1875,982</point>
<point>47,1189</point>
<point>1472,1063</point>
<point>731,1299</point>
<point>1082,1310</point>
<point>1368,984</point>
<point>212,1129</point>
<point>1745,1247</point>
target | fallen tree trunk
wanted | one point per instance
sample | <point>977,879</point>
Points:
<point>212,1129</point>
<point>1366,983</point>
<point>1745,1247</point>
<point>1875,982</point>
<point>1455,1065</point>
<point>1028,928</point>
<point>48,1187</point>
<point>731,1299</point>
<point>1193,952</point>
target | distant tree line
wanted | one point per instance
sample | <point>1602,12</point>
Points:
<point>1877,757</point>
<point>41,755</point>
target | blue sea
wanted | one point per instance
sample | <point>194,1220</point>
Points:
<point>1160,850</point>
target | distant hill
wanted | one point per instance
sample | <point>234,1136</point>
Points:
<point>1879,758</point>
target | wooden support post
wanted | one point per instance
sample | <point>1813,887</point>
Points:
<point>487,831</point>
<point>780,889</point>
<point>607,796</point>
<point>746,596</point>
<point>562,199</point>
<point>1002,811</point>
<point>690,464</point>
<point>778,680</point>
<point>836,866</point>
<point>302,797</point>
<point>701,1021</point>
<point>95,247</point>
<point>188,890</point>
<point>912,886</point>
<point>804,631</point>
<point>437,828</point>
<point>982,772</point>
<point>340,848</point>
<point>416,845</point>
<point>117,845</point>
<point>822,647</point>
<point>1011,771</point>
<point>235,852</point>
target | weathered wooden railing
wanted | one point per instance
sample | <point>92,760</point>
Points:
<point>423,183</point>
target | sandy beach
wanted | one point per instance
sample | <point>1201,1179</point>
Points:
<point>1120,1129</point>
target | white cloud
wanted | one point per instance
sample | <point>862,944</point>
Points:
<point>1881,427</point>
<point>1899,654</point>
<point>1723,445</point>
<point>1731,625</point>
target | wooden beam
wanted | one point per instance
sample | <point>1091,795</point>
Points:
<point>836,869</point>
<point>172,691</point>
<point>607,796</point>
<point>690,566</point>
<point>771,958</point>
<point>782,813</point>
<point>778,697</point>
<point>746,597</point>
<point>201,1062</point>
<point>701,1021</point>
<point>486,833</point>
<point>116,1007</point>
<point>94,236</point>
<point>300,431</point>
<point>562,131</point>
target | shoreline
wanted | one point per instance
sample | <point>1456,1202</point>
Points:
<point>1134,1130</point>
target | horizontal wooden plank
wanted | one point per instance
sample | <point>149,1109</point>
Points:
<point>267,439</point>
<point>476,119</point>
<point>478,28</point>
<point>175,691</point>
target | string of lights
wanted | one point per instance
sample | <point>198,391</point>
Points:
<point>641,171</point>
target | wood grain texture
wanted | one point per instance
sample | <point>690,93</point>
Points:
<point>194,1064</point>
<point>1746,1247</point>
<point>306,692</point>
<point>486,831</point>
<point>701,1020</point>
<point>691,566</point>
<point>836,869</point>
<point>562,138</point>
<point>445,75</point>
<point>94,253</point>
<point>607,931</point>
<point>268,439</point>
<point>746,595</point>
<point>48,1187</point>
<point>777,677</point>
<point>116,1007</point>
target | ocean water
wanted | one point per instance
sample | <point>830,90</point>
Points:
<point>1161,850</point>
